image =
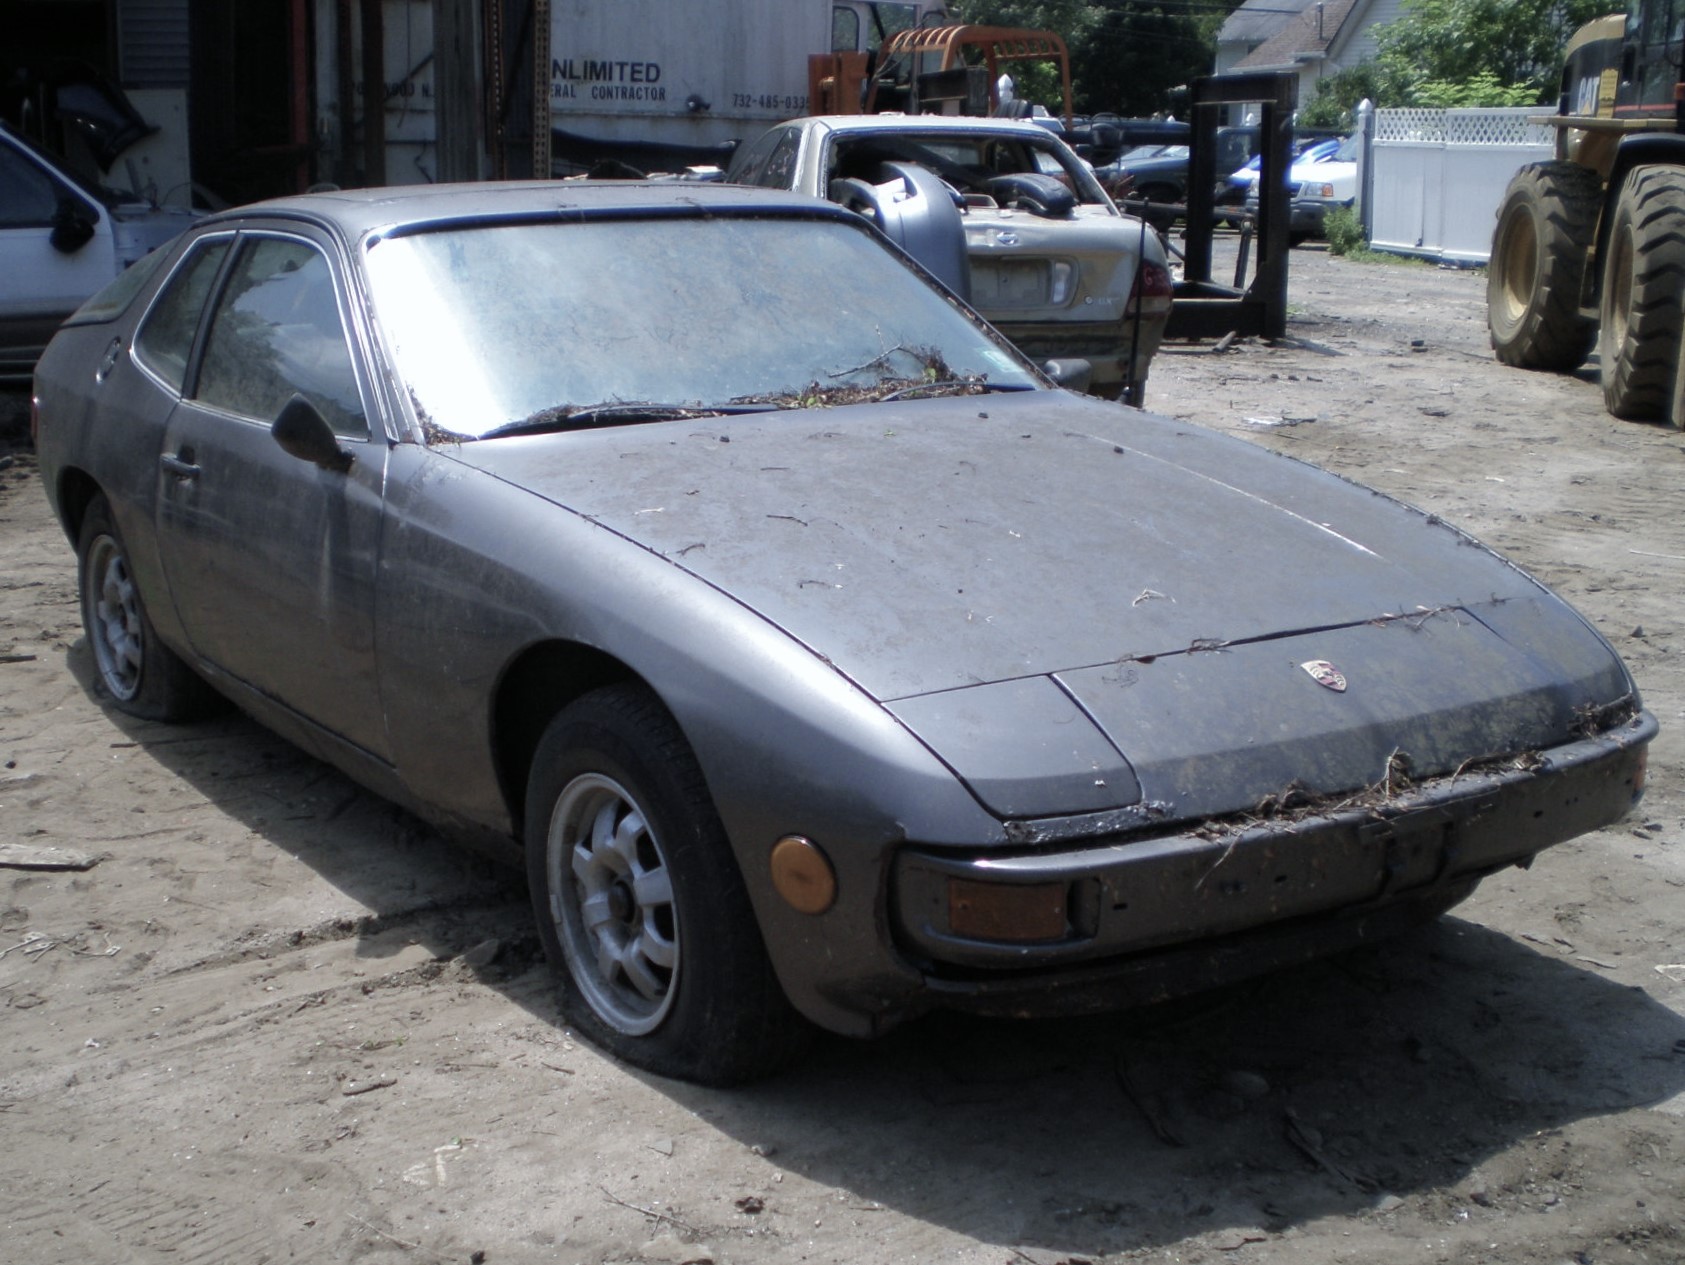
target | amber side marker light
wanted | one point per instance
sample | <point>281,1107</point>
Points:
<point>1007,911</point>
<point>802,875</point>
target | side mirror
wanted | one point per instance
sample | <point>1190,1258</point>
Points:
<point>1073,375</point>
<point>304,433</point>
<point>72,227</point>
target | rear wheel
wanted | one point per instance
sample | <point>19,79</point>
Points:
<point>1638,342</point>
<point>139,673</point>
<point>641,907</point>
<point>1545,228</point>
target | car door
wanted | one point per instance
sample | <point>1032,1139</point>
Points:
<point>55,250</point>
<point>270,559</point>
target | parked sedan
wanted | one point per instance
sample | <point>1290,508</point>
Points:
<point>1322,180</point>
<point>1238,183</point>
<point>1157,175</point>
<point>1004,213</point>
<point>817,658</point>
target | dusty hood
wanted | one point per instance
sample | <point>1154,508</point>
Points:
<point>955,542</point>
<point>1018,541</point>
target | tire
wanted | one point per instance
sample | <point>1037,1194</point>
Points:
<point>1644,276</point>
<point>1546,224</point>
<point>639,901</point>
<point>138,672</point>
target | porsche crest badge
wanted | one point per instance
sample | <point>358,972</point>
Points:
<point>1325,674</point>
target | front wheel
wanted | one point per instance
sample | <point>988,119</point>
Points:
<point>1545,228</point>
<point>640,904</point>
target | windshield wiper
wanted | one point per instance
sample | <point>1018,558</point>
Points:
<point>618,413</point>
<point>953,386</point>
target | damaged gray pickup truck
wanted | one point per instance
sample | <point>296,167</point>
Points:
<point>818,658</point>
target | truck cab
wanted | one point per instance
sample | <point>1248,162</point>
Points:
<point>60,242</point>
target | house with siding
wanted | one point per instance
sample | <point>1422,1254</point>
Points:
<point>1310,38</point>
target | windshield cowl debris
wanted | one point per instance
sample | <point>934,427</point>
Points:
<point>564,417</point>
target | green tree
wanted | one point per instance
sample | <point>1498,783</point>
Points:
<point>1337,95</point>
<point>1126,55</point>
<point>1458,53</point>
<point>1513,45</point>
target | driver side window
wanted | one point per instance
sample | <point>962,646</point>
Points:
<point>276,330</point>
<point>28,196</point>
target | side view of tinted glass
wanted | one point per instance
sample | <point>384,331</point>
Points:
<point>845,30</point>
<point>780,170</point>
<point>165,340</point>
<point>747,164</point>
<point>276,330</point>
<point>28,196</point>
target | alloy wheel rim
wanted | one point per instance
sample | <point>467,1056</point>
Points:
<point>114,607</point>
<point>611,899</point>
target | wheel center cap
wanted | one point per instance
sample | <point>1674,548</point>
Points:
<point>620,901</point>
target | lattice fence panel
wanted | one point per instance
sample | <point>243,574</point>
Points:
<point>1462,127</point>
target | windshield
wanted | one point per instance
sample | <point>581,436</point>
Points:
<point>503,327</point>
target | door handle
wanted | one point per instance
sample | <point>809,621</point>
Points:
<point>179,466</point>
<point>109,361</point>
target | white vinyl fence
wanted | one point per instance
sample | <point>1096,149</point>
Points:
<point>1433,179</point>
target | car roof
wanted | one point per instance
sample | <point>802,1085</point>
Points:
<point>357,212</point>
<point>926,123</point>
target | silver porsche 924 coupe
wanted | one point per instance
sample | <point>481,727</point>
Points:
<point>818,657</point>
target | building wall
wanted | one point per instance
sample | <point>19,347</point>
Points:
<point>1361,46</point>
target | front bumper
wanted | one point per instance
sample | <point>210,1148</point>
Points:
<point>1145,918</point>
<point>1304,215</point>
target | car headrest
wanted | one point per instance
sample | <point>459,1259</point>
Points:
<point>1034,192</point>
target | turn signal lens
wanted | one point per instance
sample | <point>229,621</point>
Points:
<point>802,875</point>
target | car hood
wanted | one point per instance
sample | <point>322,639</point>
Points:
<point>1041,561</point>
<point>1323,171</point>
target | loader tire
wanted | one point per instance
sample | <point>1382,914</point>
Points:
<point>1546,224</point>
<point>1638,341</point>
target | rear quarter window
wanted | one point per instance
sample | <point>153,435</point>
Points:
<point>114,300</point>
<point>166,336</point>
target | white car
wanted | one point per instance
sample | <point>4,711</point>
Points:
<point>60,242</point>
<point>1319,183</point>
<point>1005,214</point>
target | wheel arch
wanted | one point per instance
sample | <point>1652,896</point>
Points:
<point>76,490</point>
<point>537,685</point>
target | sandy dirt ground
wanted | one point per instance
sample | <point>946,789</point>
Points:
<point>277,1019</point>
